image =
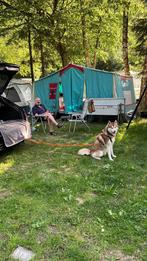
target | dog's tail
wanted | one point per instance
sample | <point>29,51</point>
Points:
<point>84,152</point>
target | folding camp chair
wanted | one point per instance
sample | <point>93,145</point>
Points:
<point>39,120</point>
<point>79,117</point>
<point>35,120</point>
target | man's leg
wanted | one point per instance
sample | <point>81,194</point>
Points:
<point>52,119</point>
<point>50,125</point>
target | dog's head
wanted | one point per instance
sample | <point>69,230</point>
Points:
<point>112,127</point>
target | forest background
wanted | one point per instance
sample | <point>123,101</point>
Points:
<point>43,36</point>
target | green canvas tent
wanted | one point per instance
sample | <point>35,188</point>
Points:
<point>77,82</point>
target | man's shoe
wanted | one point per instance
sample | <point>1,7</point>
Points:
<point>60,125</point>
<point>52,133</point>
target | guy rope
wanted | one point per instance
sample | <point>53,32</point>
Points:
<point>58,144</point>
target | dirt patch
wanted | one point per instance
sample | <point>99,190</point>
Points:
<point>23,229</point>
<point>85,197</point>
<point>117,255</point>
<point>3,237</point>
<point>4,194</point>
<point>80,201</point>
<point>53,229</point>
<point>41,238</point>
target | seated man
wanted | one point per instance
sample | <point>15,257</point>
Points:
<point>40,110</point>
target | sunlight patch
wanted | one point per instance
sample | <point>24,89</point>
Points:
<point>121,136</point>
<point>6,166</point>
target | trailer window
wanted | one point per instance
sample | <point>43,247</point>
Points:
<point>12,95</point>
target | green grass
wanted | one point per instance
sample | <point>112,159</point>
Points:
<point>67,207</point>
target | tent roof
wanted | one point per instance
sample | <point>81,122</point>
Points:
<point>81,68</point>
<point>71,65</point>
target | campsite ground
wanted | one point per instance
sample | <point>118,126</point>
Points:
<point>67,207</point>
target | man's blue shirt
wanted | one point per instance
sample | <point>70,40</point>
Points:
<point>39,109</point>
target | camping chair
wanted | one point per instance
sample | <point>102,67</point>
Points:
<point>35,120</point>
<point>79,117</point>
<point>39,120</point>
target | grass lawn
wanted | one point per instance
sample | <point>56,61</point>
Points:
<point>66,207</point>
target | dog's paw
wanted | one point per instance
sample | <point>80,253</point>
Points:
<point>114,156</point>
<point>97,158</point>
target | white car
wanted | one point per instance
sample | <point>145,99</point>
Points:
<point>14,125</point>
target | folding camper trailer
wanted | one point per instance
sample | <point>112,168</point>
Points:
<point>110,91</point>
<point>19,91</point>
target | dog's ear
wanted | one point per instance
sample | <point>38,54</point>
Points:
<point>115,122</point>
<point>107,126</point>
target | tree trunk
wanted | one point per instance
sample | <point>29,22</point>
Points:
<point>85,40</point>
<point>30,53</point>
<point>42,59</point>
<point>97,42</point>
<point>94,57</point>
<point>63,54</point>
<point>143,104</point>
<point>55,4</point>
<point>125,43</point>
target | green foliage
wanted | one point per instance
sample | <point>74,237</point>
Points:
<point>57,25</point>
<point>141,32</point>
<point>109,65</point>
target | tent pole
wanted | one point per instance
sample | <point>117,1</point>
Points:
<point>136,107</point>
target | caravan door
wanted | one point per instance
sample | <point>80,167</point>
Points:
<point>73,87</point>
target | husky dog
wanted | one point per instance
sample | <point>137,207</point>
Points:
<point>103,143</point>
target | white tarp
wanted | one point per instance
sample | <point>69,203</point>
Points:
<point>13,132</point>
